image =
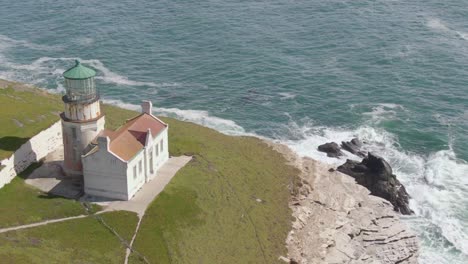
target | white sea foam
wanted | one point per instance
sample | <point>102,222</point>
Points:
<point>441,26</point>
<point>13,71</point>
<point>7,42</point>
<point>196,116</point>
<point>437,24</point>
<point>463,35</point>
<point>54,67</point>
<point>379,112</point>
<point>109,76</point>
<point>104,73</point>
<point>384,111</point>
<point>286,96</point>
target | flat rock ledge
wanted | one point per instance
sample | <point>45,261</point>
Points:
<point>338,221</point>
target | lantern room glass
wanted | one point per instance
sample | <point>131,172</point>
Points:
<point>80,90</point>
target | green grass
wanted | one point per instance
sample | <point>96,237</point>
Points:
<point>82,240</point>
<point>22,204</point>
<point>209,213</point>
<point>23,115</point>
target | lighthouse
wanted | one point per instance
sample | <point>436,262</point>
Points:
<point>82,119</point>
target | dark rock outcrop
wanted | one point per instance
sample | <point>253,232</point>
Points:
<point>374,173</point>
<point>354,147</point>
<point>332,149</point>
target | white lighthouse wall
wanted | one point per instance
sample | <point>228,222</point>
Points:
<point>76,137</point>
<point>105,175</point>
<point>82,112</point>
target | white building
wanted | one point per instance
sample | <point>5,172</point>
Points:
<point>113,164</point>
<point>123,160</point>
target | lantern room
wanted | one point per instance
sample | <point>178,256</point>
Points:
<point>79,84</point>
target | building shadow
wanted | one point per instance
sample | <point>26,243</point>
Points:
<point>50,178</point>
<point>46,174</point>
<point>9,143</point>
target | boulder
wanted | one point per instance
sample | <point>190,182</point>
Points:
<point>354,147</point>
<point>374,173</point>
<point>332,149</point>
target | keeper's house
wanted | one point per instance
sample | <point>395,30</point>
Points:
<point>121,161</point>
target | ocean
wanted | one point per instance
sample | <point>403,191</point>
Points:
<point>393,73</point>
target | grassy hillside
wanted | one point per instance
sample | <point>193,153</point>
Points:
<point>23,114</point>
<point>82,240</point>
<point>23,204</point>
<point>228,205</point>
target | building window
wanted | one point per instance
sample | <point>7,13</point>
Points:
<point>134,172</point>
<point>73,130</point>
<point>140,167</point>
<point>157,150</point>
<point>162,145</point>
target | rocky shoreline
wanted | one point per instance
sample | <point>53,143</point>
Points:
<point>338,221</point>
<point>373,172</point>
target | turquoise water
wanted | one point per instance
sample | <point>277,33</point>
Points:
<point>394,73</point>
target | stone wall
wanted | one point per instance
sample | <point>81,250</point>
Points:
<point>32,151</point>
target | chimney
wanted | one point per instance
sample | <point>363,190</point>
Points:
<point>103,142</point>
<point>147,107</point>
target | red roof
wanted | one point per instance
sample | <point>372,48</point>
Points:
<point>130,138</point>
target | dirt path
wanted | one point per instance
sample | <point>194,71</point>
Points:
<point>138,204</point>
<point>129,249</point>
<point>7,229</point>
<point>148,192</point>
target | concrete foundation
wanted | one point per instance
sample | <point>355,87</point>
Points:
<point>50,178</point>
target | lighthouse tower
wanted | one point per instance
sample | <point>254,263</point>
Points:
<point>82,119</point>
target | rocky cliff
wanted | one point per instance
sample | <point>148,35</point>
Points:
<point>338,221</point>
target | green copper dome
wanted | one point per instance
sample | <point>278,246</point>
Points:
<point>79,72</point>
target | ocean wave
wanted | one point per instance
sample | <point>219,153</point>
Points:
<point>379,112</point>
<point>7,42</point>
<point>18,72</point>
<point>196,116</point>
<point>286,96</point>
<point>54,67</point>
<point>439,25</point>
<point>109,76</point>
